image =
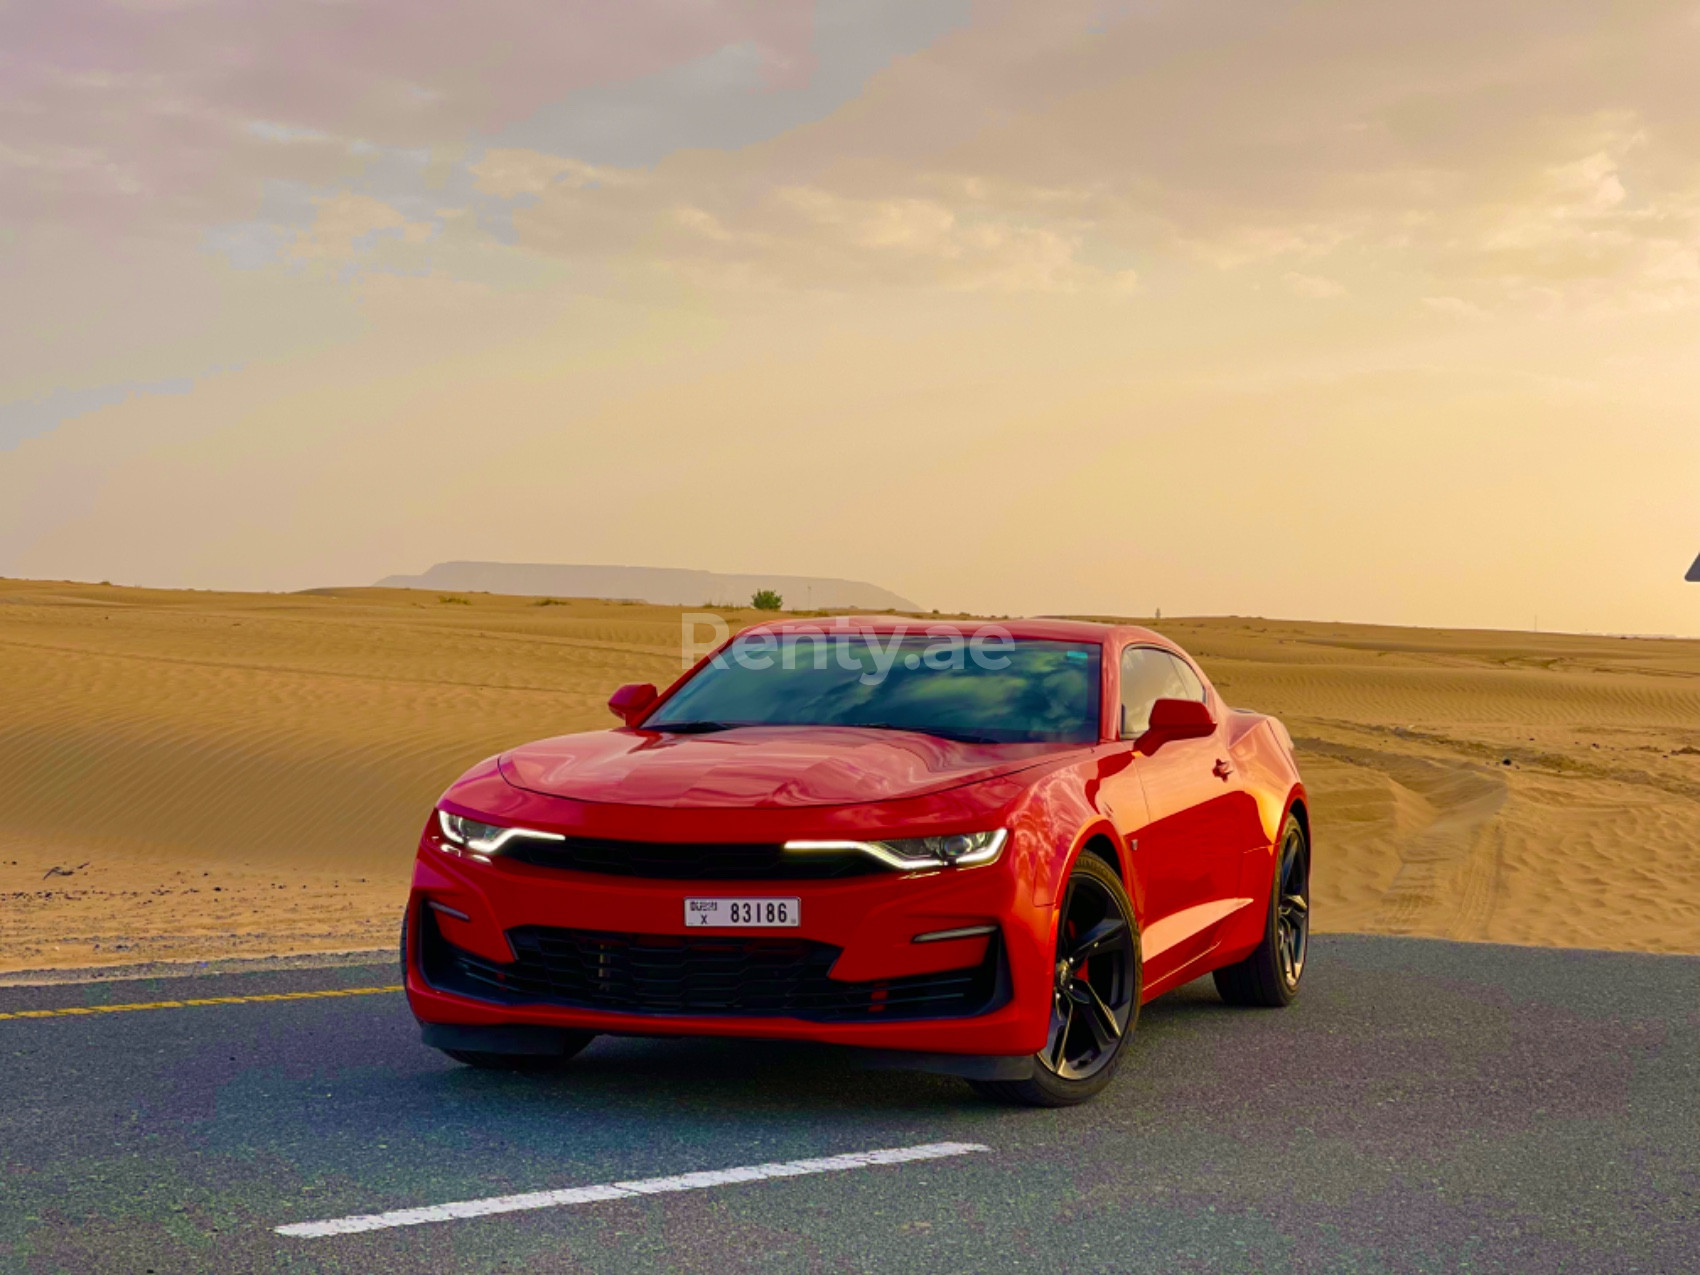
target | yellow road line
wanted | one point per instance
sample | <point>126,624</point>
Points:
<point>199,1000</point>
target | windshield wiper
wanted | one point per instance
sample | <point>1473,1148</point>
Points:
<point>693,728</point>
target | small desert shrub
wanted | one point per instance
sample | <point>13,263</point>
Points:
<point>459,602</point>
<point>766,600</point>
<point>550,602</point>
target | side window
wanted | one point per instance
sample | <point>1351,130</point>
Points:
<point>1189,679</point>
<point>1149,675</point>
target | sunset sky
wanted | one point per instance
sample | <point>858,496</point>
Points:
<point>1358,311</point>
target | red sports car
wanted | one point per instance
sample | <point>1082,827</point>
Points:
<point>973,849</point>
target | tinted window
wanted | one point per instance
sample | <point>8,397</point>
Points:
<point>1024,691</point>
<point>1149,675</point>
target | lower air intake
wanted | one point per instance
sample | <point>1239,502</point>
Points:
<point>699,975</point>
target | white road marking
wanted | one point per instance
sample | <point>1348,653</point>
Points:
<point>625,1190</point>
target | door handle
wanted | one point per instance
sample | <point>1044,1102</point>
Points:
<point>1222,769</point>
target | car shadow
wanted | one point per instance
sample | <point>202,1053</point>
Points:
<point>705,1074</point>
<point>1192,1001</point>
<point>673,1076</point>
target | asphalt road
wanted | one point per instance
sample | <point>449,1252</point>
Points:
<point>1423,1107</point>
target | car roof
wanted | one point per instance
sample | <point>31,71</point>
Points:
<point>1040,627</point>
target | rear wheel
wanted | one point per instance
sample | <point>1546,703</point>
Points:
<point>1094,994</point>
<point>1269,977</point>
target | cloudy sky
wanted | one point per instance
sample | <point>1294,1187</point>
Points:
<point>1353,310</point>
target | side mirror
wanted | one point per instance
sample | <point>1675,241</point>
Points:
<point>1176,719</point>
<point>632,701</point>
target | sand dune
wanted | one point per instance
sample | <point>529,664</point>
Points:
<point>1512,787</point>
<point>186,774</point>
<point>668,586</point>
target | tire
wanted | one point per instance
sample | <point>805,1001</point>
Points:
<point>1094,995</point>
<point>572,1044</point>
<point>1269,977</point>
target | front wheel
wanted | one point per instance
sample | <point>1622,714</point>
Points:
<point>1269,977</point>
<point>1094,995</point>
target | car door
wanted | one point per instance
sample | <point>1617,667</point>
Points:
<point>1186,855</point>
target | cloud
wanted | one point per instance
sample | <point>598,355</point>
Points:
<point>288,134</point>
<point>176,116</point>
<point>1539,162</point>
<point>509,173</point>
<point>741,92</point>
<point>735,246</point>
<point>351,226</point>
<point>1534,151</point>
<point>925,234</point>
<point>31,418</point>
<point>1612,227</point>
<point>1312,287</point>
<point>1454,307</point>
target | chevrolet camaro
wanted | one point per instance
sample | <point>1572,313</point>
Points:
<point>973,849</point>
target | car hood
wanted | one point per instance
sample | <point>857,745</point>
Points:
<point>760,766</point>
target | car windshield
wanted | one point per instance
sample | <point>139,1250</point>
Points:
<point>996,692</point>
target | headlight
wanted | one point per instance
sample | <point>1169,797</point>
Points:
<point>486,838</point>
<point>961,850</point>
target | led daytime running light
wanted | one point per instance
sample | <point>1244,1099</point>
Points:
<point>957,851</point>
<point>486,838</point>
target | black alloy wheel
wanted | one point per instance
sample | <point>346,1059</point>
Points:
<point>1095,989</point>
<point>1270,976</point>
<point>1292,910</point>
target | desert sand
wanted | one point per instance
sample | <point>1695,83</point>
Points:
<point>189,775</point>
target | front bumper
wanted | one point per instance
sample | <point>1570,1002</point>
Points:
<point>870,922</point>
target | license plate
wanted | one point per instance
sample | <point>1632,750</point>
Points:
<point>742,913</point>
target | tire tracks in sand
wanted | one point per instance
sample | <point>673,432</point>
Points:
<point>1450,868</point>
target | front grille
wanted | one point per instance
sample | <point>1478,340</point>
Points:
<point>703,975</point>
<point>689,860</point>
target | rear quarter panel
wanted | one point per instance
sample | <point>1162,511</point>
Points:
<point>1269,777</point>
